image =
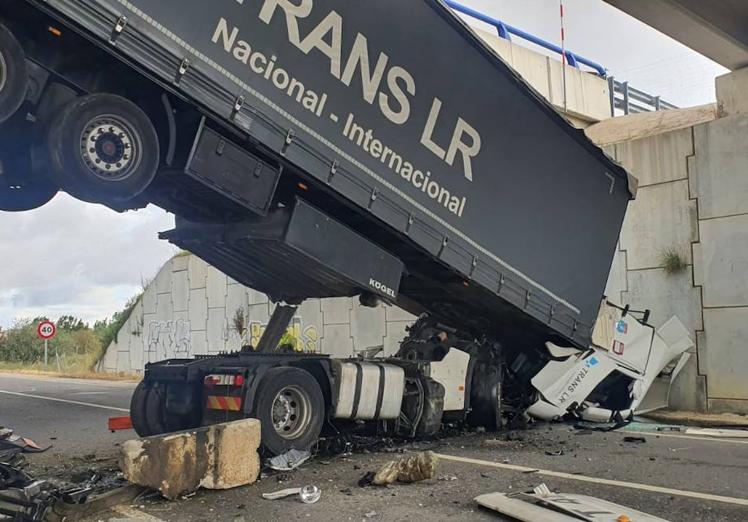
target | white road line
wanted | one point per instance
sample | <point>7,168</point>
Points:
<point>135,514</point>
<point>596,480</point>
<point>79,403</point>
<point>67,381</point>
<point>677,436</point>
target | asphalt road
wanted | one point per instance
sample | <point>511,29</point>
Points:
<point>69,414</point>
<point>672,476</point>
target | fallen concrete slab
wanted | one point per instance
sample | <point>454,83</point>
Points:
<point>220,456</point>
<point>543,504</point>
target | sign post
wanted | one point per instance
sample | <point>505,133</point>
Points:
<point>46,330</point>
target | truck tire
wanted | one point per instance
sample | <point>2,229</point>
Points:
<point>20,198</point>
<point>485,396</point>
<point>103,149</point>
<point>155,409</point>
<point>137,410</point>
<point>148,411</point>
<point>290,405</point>
<point>22,187</point>
<point>13,74</point>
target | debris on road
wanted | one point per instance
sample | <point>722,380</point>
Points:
<point>24,498</point>
<point>12,444</point>
<point>220,456</point>
<point>367,479</point>
<point>637,440</point>
<point>307,494</point>
<point>415,468</point>
<point>718,433</point>
<point>543,504</point>
<point>618,423</point>
<point>289,460</point>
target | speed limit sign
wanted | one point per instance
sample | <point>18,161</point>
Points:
<point>46,330</point>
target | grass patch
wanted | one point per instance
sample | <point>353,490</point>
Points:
<point>72,373</point>
<point>673,262</point>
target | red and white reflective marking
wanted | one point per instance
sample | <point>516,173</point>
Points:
<point>222,379</point>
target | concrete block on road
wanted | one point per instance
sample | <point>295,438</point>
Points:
<point>221,456</point>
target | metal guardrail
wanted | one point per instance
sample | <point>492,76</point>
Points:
<point>506,30</point>
<point>633,101</point>
<point>622,95</point>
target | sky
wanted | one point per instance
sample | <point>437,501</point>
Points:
<point>630,50</point>
<point>74,258</point>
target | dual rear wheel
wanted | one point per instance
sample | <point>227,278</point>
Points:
<point>101,148</point>
<point>149,414</point>
<point>289,404</point>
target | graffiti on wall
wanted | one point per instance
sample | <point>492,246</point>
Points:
<point>303,339</point>
<point>167,339</point>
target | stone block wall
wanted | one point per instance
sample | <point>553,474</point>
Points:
<point>191,309</point>
<point>693,201</point>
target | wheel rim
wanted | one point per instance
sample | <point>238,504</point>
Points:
<point>110,148</point>
<point>3,71</point>
<point>291,412</point>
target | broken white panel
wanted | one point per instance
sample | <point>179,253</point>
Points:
<point>590,508</point>
<point>451,372</point>
<point>632,342</point>
<point>658,395</point>
<point>520,509</point>
<point>718,433</point>
<point>563,383</point>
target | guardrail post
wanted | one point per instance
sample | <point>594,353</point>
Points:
<point>503,31</point>
<point>626,107</point>
<point>612,94</point>
<point>571,59</point>
<point>657,103</point>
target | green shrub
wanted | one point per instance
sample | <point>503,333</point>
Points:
<point>673,262</point>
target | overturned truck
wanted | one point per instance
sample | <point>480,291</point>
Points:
<point>321,148</point>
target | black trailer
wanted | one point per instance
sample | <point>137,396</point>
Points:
<point>318,148</point>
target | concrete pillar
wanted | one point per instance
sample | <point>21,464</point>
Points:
<point>731,92</point>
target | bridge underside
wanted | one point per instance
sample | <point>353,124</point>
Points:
<point>715,29</point>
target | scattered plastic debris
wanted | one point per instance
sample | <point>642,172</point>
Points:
<point>310,494</point>
<point>12,444</point>
<point>307,494</point>
<point>289,460</point>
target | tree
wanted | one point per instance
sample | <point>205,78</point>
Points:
<point>69,323</point>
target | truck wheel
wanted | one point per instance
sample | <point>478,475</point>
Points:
<point>13,74</point>
<point>485,396</point>
<point>137,410</point>
<point>155,409</point>
<point>21,187</point>
<point>19,198</point>
<point>148,411</point>
<point>291,408</point>
<point>103,149</point>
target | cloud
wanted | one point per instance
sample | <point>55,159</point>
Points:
<point>70,257</point>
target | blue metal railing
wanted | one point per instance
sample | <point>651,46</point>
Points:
<point>506,30</point>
